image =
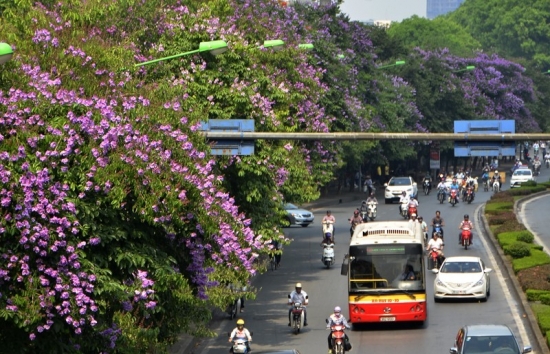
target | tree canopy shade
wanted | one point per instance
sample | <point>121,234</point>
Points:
<point>511,28</point>
<point>438,33</point>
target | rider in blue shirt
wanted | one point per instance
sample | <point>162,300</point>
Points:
<point>455,186</point>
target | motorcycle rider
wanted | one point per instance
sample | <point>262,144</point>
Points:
<point>354,221</point>
<point>334,320</point>
<point>536,148</point>
<point>369,185</point>
<point>372,199</point>
<point>536,165</point>
<point>496,177</point>
<point>427,178</point>
<point>466,224</point>
<point>437,219</point>
<point>330,218</point>
<point>298,296</point>
<point>443,187</point>
<point>486,168</point>
<point>404,199</point>
<point>240,332</point>
<point>413,203</point>
<point>436,243</point>
<point>456,187</point>
<point>364,209</point>
<point>543,147</point>
<point>546,156</point>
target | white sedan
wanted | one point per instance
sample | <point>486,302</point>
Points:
<point>396,186</point>
<point>462,278</point>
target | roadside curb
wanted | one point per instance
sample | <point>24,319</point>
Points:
<point>527,312</point>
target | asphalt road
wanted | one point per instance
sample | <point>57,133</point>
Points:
<point>267,316</point>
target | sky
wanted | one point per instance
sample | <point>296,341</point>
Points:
<point>393,10</point>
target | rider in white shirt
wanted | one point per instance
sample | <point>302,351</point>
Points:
<point>334,320</point>
<point>298,296</point>
<point>240,332</point>
<point>404,199</point>
<point>436,243</point>
<point>535,148</point>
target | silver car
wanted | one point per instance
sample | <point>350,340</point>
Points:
<point>298,216</point>
<point>485,339</point>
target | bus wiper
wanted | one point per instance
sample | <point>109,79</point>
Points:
<point>370,293</point>
<point>409,294</point>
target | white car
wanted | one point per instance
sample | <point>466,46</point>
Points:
<point>521,175</point>
<point>395,187</point>
<point>462,278</point>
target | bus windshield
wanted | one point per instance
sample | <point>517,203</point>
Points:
<point>385,268</point>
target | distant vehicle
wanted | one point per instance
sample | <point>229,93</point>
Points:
<point>395,187</point>
<point>286,351</point>
<point>298,216</point>
<point>522,174</point>
<point>386,273</point>
<point>487,338</point>
<point>462,278</point>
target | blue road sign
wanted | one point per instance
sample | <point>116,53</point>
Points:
<point>230,147</point>
<point>466,148</point>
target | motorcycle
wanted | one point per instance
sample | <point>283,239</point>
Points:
<point>433,259</point>
<point>547,162</point>
<point>453,199</point>
<point>427,185</point>
<point>328,254</point>
<point>496,186</point>
<point>371,210</point>
<point>466,238</point>
<point>486,184</point>
<point>328,232</point>
<point>439,229</point>
<point>239,345</point>
<point>297,317</point>
<point>233,309</point>
<point>338,339</point>
<point>404,210</point>
<point>441,195</point>
<point>364,215</point>
<point>536,169</point>
<point>469,195</point>
<point>411,210</point>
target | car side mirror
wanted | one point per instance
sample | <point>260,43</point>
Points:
<point>228,334</point>
<point>414,184</point>
<point>326,320</point>
<point>527,349</point>
<point>385,184</point>
<point>488,270</point>
<point>453,350</point>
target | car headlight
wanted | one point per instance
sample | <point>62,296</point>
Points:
<point>440,283</point>
<point>387,190</point>
<point>479,282</point>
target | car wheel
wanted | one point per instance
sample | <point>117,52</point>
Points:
<point>489,291</point>
<point>305,225</point>
<point>437,299</point>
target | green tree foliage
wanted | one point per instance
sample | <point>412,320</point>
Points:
<point>511,28</point>
<point>434,34</point>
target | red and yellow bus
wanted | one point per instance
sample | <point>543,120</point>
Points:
<point>386,273</point>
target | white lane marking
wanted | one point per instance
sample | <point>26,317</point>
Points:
<point>500,276</point>
<point>523,219</point>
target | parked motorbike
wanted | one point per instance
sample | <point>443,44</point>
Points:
<point>371,210</point>
<point>297,317</point>
<point>328,254</point>
<point>427,185</point>
<point>441,195</point>
<point>454,197</point>
<point>466,238</point>
<point>328,231</point>
<point>338,339</point>
<point>239,345</point>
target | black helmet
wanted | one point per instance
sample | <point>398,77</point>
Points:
<point>466,216</point>
<point>328,211</point>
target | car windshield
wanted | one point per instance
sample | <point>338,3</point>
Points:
<point>522,173</point>
<point>400,181</point>
<point>490,344</point>
<point>289,206</point>
<point>461,267</point>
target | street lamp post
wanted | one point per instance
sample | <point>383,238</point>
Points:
<point>214,47</point>
<point>468,68</point>
<point>397,63</point>
<point>6,52</point>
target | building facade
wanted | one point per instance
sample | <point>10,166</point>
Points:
<point>441,7</point>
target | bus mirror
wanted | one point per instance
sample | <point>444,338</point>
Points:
<point>345,266</point>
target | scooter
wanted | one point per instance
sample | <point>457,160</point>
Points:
<point>466,238</point>
<point>438,229</point>
<point>297,317</point>
<point>364,215</point>
<point>328,254</point>
<point>496,186</point>
<point>469,195</point>
<point>547,162</point>
<point>328,231</point>
<point>371,210</point>
<point>404,210</point>
<point>441,195</point>
<point>427,187</point>
<point>454,197</point>
<point>411,210</point>
<point>233,309</point>
<point>239,345</point>
<point>433,259</point>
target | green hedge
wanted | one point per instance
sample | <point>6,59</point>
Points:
<point>518,249</point>
<point>534,295</point>
<point>507,238</point>
<point>542,312</point>
<point>525,236</point>
<point>537,257</point>
<point>492,208</point>
<point>526,190</point>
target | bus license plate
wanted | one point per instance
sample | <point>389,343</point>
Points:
<point>387,319</point>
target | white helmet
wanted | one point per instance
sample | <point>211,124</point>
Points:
<point>337,309</point>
